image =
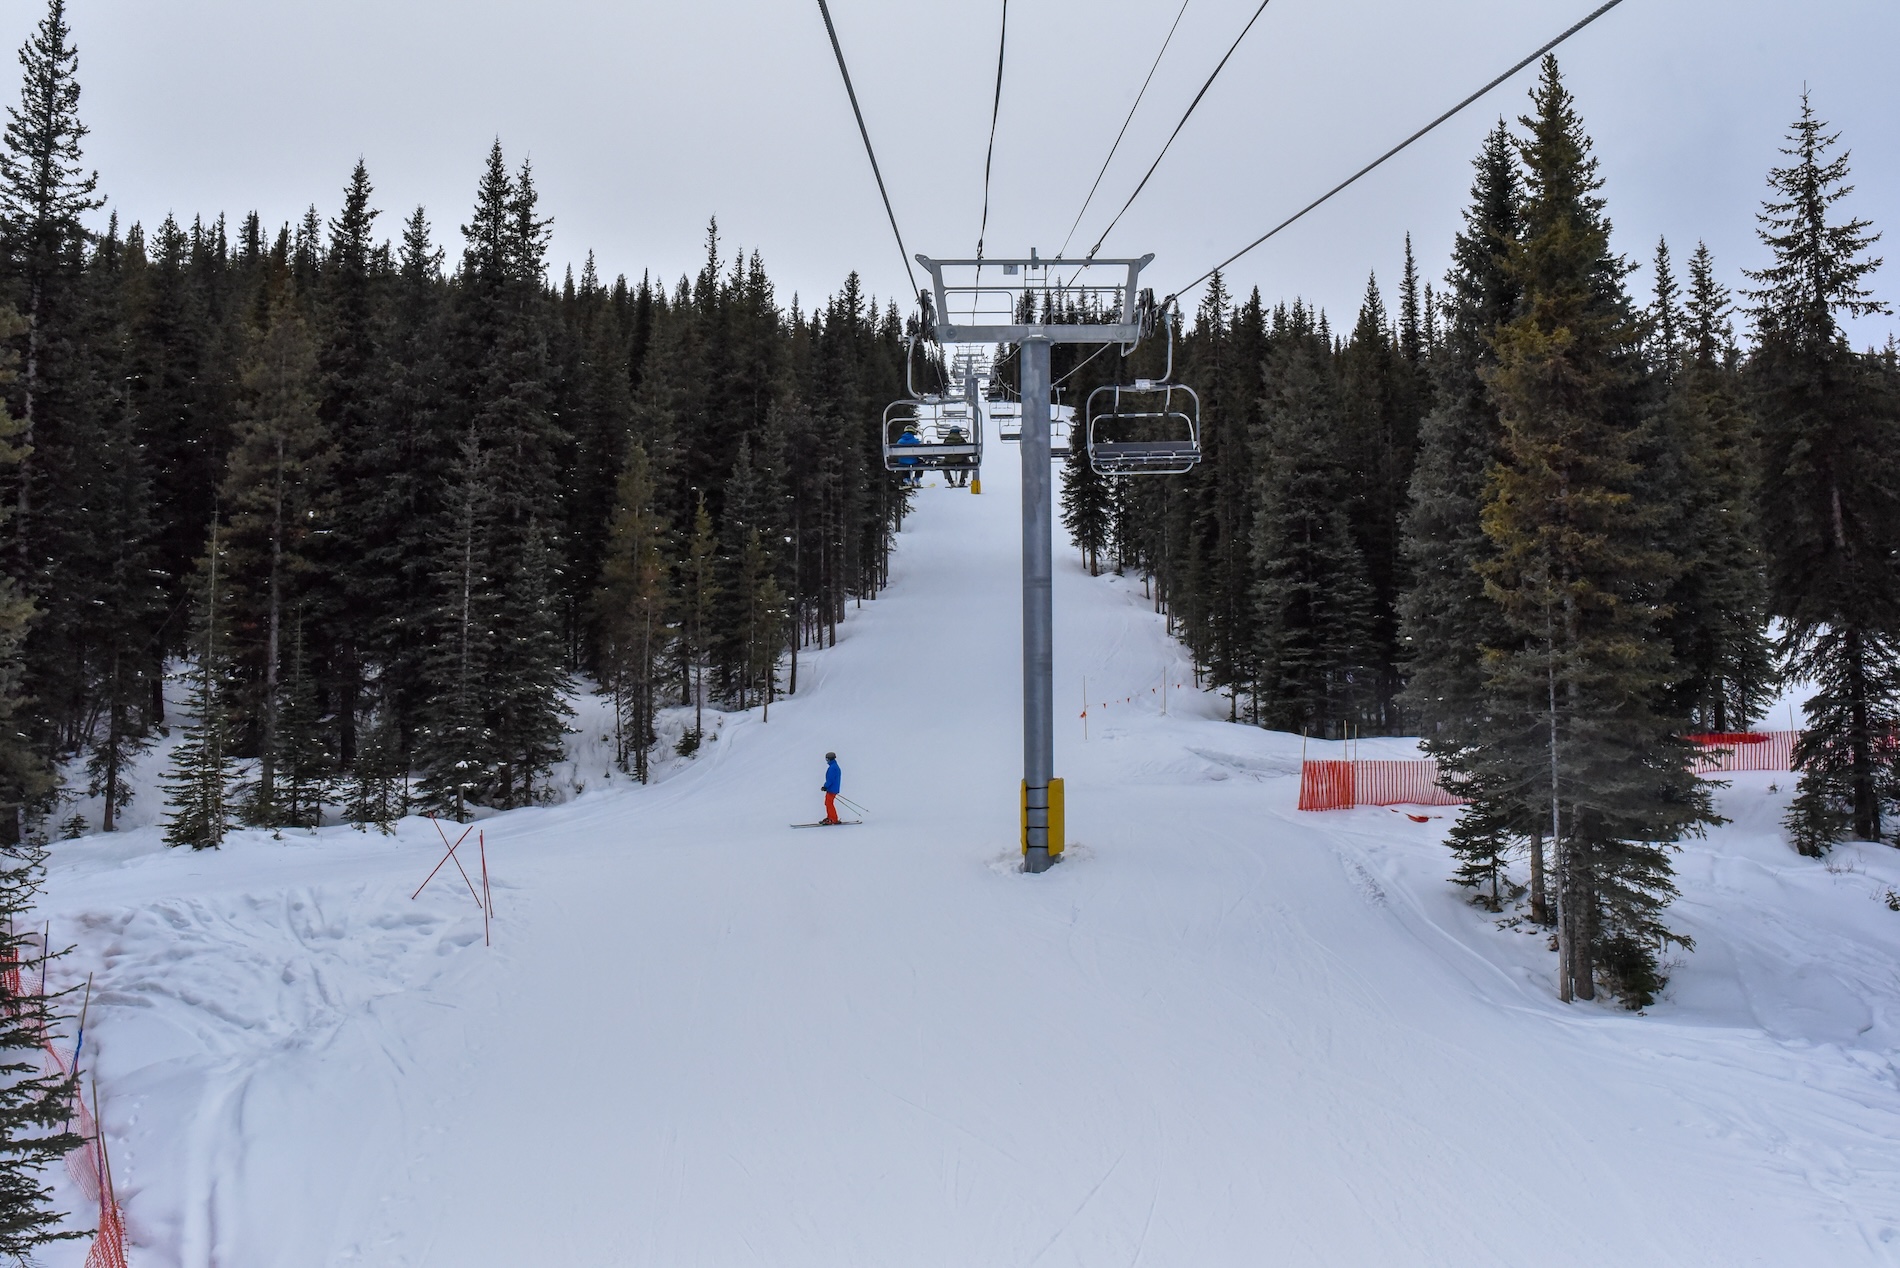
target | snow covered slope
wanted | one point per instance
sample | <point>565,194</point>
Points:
<point>1221,1033</point>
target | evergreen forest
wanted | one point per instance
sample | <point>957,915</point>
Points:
<point>375,493</point>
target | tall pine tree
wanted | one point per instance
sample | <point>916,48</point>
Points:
<point>1831,491</point>
<point>1579,579</point>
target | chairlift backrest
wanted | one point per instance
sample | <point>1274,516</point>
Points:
<point>1145,428</point>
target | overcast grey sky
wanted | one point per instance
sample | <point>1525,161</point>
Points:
<point>645,118</point>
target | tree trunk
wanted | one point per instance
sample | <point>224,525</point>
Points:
<point>1861,741</point>
<point>267,750</point>
<point>1540,897</point>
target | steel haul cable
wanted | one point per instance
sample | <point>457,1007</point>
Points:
<point>870,153</point>
<point>1407,142</point>
<point>1124,132</point>
<point>996,109</point>
<point>1177,127</point>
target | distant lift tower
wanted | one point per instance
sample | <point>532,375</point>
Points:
<point>992,313</point>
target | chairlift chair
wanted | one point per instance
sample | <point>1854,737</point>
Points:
<point>1009,419</point>
<point>1147,428</point>
<point>931,419</point>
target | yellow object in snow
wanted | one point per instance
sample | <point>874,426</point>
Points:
<point>1057,836</point>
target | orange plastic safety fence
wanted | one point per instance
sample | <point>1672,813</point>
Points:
<point>91,1173</point>
<point>108,1248</point>
<point>1745,750</point>
<point>1327,786</point>
<point>1337,785</point>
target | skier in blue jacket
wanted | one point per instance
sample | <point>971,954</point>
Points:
<point>834,784</point>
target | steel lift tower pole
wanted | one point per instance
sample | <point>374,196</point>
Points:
<point>1041,791</point>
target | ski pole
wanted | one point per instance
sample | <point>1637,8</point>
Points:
<point>852,804</point>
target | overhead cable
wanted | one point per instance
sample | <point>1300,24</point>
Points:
<point>996,107</point>
<point>870,153</point>
<point>1177,128</point>
<point>1124,132</point>
<point>1433,125</point>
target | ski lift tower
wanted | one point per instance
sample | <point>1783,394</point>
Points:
<point>992,319</point>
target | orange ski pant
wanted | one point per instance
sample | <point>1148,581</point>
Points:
<point>831,805</point>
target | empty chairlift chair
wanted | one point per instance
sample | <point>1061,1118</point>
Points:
<point>1009,419</point>
<point>1148,427</point>
<point>1144,428</point>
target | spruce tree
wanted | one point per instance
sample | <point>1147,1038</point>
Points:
<point>200,791</point>
<point>378,780</point>
<point>1446,617</point>
<point>302,754</point>
<point>501,368</point>
<point>1830,512</point>
<point>352,389</point>
<point>631,609</point>
<point>35,1108</point>
<point>25,778</point>
<point>1087,502</point>
<point>455,745</point>
<point>1718,604</point>
<point>280,493</point>
<point>1579,579</point>
<point>1378,418</point>
<point>105,599</point>
<point>1313,599</point>
<point>698,588</point>
<point>44,192</point>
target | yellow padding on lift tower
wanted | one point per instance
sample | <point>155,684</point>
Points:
<point>976,484</point>
<point>1057,836</point>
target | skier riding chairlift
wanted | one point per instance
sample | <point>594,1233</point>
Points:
<point>956,477</point>
<point>913,473</point>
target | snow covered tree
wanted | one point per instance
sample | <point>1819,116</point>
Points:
<point>1831,491</point>
<point>1577,695</point>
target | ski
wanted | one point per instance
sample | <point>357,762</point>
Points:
<point>842,823</point>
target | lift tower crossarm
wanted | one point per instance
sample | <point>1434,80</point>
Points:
<point>1127,330</point>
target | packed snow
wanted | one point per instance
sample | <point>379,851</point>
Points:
<point>1220,1032</point>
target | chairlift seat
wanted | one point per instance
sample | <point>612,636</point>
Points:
<point>1144,457</point>
<point>1148,428</point>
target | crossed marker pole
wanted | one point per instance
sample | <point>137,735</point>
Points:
<point>485,900</point>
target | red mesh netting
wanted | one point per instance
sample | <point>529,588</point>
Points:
<point>1333,785</point>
